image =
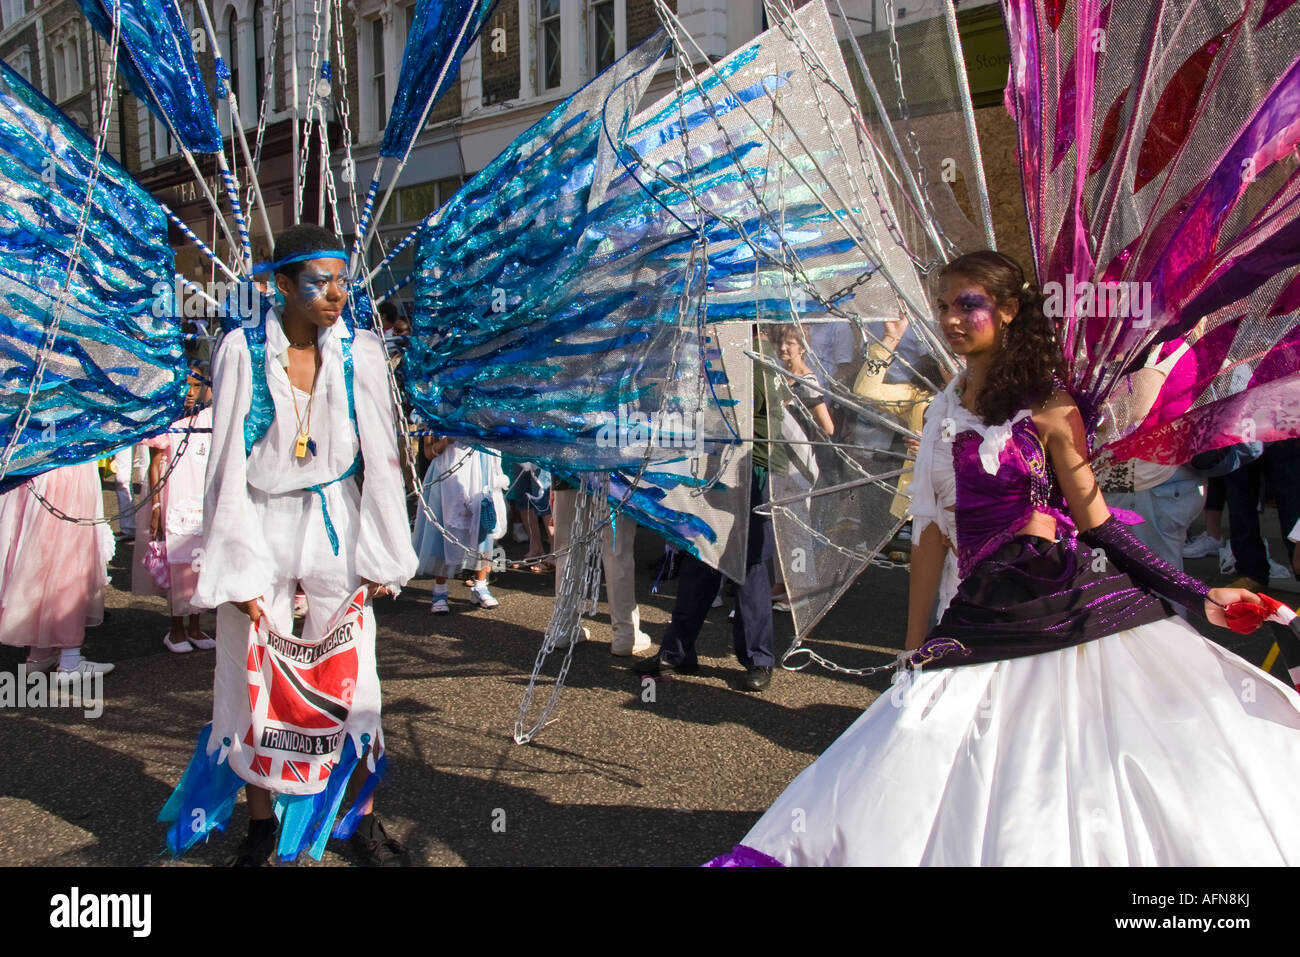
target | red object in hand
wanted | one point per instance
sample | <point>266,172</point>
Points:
<point>1245,616</point>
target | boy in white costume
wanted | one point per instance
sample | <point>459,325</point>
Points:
<point>284,507</point>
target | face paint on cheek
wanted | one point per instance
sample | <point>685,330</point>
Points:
<point>311,286</point>
<point>977,310</point>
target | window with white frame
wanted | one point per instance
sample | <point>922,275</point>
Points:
<point>21,61</point>
<point>65,55</point>
<point>600,31</point>
<point>232,51</point>
<point>163,144</point>
<point>12,11</point>
<point>379,75</point>
<point>549,63</point>
<point>259,47</point>
<point>408,206</point>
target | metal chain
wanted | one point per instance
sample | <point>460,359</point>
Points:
<point>576,593</point>
<point>305,148</point>
<point>895,60</point>
<point>798,648</point>
<point>269,82</point>
<point>817,68</point>
<point>345,114</point>
<point>121,513</point>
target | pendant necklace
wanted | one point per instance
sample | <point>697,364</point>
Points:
<point>305,445</point>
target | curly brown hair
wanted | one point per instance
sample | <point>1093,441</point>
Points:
<point>1029,367</point>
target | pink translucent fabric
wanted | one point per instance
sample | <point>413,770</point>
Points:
<point>1163,159</point>
<point>52,572</point>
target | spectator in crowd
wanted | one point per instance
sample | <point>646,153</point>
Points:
<point>165,552</point>
<point>53,573</point>
<point>617,560</point>
<point>697,586</point>
<point>458,484</point>
<point>1276,473</point>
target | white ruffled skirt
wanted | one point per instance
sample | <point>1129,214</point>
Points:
<point>1152,746</point>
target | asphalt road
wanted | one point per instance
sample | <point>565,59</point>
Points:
<point>614,779</point>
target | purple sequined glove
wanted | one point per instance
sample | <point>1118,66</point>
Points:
<point>1144,566</point>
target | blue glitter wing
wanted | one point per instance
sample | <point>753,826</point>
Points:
<point>117,370</point>
<point>430,63</point>
<point>157,59</point>
<point>577,279</point>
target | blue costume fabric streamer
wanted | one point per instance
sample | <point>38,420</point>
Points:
<point>157,58</point>
<point>205,797</point>
<point>432,52</point>
<point>307,821</point>
<point>116,372</point>
<point>203,800</point>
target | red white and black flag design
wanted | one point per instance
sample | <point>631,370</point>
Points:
<point>300,693</point>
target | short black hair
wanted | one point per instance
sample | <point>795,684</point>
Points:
<point>303,238</point>
<point>388,311</point>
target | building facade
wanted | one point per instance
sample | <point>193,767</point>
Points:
<point>50,43</point>
<point>531,55</point>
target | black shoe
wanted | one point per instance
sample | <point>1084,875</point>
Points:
<point>757,678</point>
<point>374,848</point>
<point>255,850</point>
<point>654,666</point>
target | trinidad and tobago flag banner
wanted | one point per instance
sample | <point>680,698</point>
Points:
<point>301,692</point>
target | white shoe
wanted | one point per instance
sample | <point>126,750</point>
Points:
<point>626,649</point>
<point>85,667</point>
<point>203,642</point>
<point>1202,546</point>
<point>1227,561</point>
<point>182,647</point>
<point>482,597</point>
<point>1281,577</point>
<point>584,635</point>
<point>439,606</point>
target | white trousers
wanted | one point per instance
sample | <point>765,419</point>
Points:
<point>294,529</point>
<point>617,558</point>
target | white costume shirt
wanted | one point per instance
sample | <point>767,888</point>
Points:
<point>237,560</point>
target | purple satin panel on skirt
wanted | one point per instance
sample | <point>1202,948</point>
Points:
<point>1033,595</point>
<point>742,856</point>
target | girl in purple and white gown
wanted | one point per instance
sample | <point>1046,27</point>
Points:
<point>1059,712</point>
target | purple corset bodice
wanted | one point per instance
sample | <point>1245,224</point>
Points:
<point>1002,478</point>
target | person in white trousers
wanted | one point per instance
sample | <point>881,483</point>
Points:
<point>619,571</point>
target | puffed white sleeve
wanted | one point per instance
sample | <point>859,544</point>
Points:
<point>384,553</point>
<point>925,507</point>
<point>236,563</point>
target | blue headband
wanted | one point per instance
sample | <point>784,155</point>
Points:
<point>301,257</point>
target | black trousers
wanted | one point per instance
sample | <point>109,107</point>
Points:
<point>1279,469</point>
<point>697,585</point>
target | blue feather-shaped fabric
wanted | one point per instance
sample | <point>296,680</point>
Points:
<point>431,63</point>
<point>157,58</point>
<point>117,370</point>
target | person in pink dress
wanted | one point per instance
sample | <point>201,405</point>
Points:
<point>175,521</point>
<point>53,572</point>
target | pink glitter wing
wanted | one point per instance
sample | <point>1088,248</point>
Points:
<point>1159,150</point>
